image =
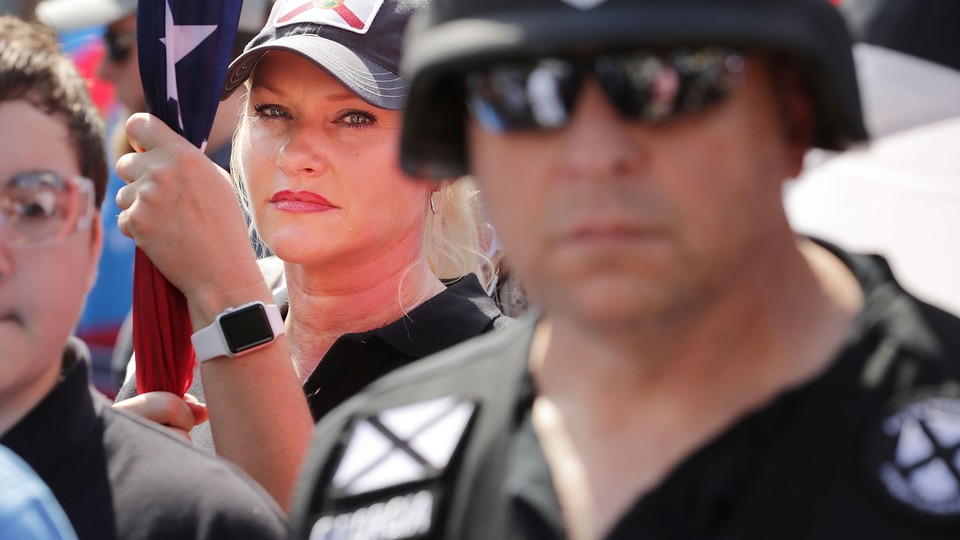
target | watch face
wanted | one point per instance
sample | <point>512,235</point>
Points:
<point>246,328</point>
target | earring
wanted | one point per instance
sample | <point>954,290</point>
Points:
<point>433,206</point>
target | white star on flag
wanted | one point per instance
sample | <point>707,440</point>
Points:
<point>179,41</point>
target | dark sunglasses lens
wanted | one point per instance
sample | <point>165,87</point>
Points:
<point>522,95</point>
<point>652,87</point>
<point>645,86</point>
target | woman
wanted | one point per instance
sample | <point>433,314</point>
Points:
<point>363,246</point>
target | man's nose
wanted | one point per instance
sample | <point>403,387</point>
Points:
<point>596,140</point>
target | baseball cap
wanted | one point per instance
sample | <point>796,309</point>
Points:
<point>358,42</point>
<point>65,15</point>
<point>458,34</point>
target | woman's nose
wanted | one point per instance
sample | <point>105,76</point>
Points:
<point>302,154</point>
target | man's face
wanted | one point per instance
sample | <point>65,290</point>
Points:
<point>42,287</point>
<point>123,71</point>
<point>615,221</point>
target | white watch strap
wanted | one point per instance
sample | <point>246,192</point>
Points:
<point>209,342</point>
<point>276,319</point>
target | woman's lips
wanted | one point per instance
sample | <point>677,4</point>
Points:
<point>300,202</point>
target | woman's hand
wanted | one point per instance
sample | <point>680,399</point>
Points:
<point>182,211</point>
<point>168,410</point>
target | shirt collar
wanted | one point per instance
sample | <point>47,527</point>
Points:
<point>63,420</point>
<point>461,311</point>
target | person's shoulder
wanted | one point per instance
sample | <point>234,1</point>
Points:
<point>503,321</point>
<point>474,357</point>
<point>467,291</point>
<point>461,369</point>
<point>924,331</point>
<point>905,408</point>
<point>443,400</point>
<point>893,311</point>
<point>184,492</point>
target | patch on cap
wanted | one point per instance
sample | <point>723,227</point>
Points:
<point>915,457</point>
<point>584,4</point>
<point>353,15</point>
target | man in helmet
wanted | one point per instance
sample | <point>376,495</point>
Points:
<point>696,370</point>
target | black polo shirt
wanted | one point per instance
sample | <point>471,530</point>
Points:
<point>461,311</point>
<point>868,449</point>
<point>118,477</point>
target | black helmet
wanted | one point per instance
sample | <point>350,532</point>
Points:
<point>455,35</point>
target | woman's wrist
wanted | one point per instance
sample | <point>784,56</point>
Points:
<point>204,306</point>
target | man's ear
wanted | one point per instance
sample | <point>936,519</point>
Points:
<point>96,246</point>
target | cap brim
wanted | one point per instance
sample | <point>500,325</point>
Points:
<point>369,80</point>
<point>66,15</point>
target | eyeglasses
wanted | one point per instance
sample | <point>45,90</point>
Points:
<point>645,86</point>
<point>119,45</point>
<point>40,208</point>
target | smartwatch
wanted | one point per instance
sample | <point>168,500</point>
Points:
<point>238,330</point>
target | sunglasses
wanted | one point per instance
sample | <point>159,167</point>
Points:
<point>119,45</point>
<point>646,86</point>
<point>41,208</point>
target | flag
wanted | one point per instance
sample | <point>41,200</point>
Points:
<point>184,48</point>
<point>353,15</point>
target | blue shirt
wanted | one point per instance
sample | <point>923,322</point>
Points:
<point>28,510</point>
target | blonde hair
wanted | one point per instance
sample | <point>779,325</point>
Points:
<point>452,242</point>
<point>452,235</point>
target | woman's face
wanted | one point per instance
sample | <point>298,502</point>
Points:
<point>320,167</point>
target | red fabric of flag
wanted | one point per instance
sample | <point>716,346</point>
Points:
<point>189,41</point>
<point>161,331</point>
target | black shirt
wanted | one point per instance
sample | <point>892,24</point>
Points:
<point>118,477</point>
<point>868,449</point>
<point>462,311</point>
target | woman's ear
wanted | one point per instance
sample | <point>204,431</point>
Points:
<point>438,193</point>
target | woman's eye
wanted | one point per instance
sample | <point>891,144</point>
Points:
<point>357,119</point>
<point>268,110</point>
